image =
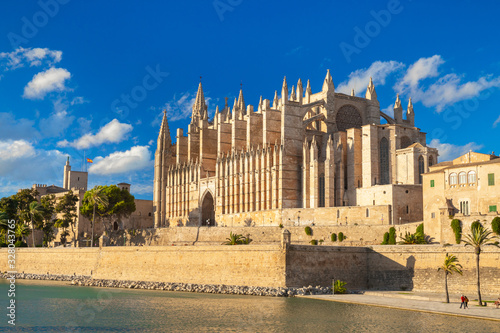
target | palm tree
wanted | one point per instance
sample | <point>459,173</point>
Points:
<point>97,197</point>
<point>22,231</point>
<point>478,237</point>
<point>450,266</point>
<point>35,211</point>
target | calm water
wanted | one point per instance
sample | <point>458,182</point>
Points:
<point>57,307</point>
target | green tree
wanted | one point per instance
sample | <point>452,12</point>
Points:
<point>120,205</point>
<point>95,198</point>
<point>477,238</point>
<point>22,231</point>
<point>23,199</point>
<point>67,208</point>
<point>35,211</point>
<point>48,220</point>
<point>450,266</point>
<point>495,225</point>
<point>392,236</point>
<point>456,225</point>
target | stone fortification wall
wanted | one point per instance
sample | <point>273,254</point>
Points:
<point>250,265</point>
<point>357,235</point>
<point>395,267</point>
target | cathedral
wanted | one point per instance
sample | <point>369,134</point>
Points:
<point>302,158</point>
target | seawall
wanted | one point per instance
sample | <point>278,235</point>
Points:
<point>395,267</point>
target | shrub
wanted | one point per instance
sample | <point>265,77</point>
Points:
<point>475,225</point>
<point>341,236</point>
<point>321,241</point>
<point>495,225</point>
<point>420,229</point>
<point>334,237</point>
<point>313,242</point>
<point>237,239</point>
<point>20,243</point>
<point>386,239</point>
<point>308,231</point>
<point>281,225</point>
<point>457,229</point>
<point>392,236</point>
<point>338,287</point>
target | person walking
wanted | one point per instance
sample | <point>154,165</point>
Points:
<point>462,300</point>
<point>466,300</point>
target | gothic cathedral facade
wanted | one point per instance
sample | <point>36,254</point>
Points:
<point>302,153</point>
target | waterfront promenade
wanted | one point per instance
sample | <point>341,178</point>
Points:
<point>418,301</point>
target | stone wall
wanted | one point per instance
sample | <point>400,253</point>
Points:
<point>250,265</point>
<point>357,235</point>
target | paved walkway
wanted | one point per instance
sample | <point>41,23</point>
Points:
<point>424,302</point>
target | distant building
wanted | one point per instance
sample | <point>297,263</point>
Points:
<point>467,188</point>
<point>76,182</point>
<point>326,153</point>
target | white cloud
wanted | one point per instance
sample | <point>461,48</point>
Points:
<point>21,161</point>
<point>31,56</point>
<point>137,158</point>
<point>446,90</point>
<point>78,100</point>
<point>141,188</point>
<point>179,108</point>
<point>112,132</point>
<point>359,79</point>
<point>53,79</point>
<point>496,122</point>
<point>423,68</point>
<point>448,151</point>
<point>389,110</point>
<point>12,128</point>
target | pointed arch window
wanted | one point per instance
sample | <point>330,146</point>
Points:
<point>431,160</point>
<point>421,168</point>
<point>384,161</point>
<point>321,190</point>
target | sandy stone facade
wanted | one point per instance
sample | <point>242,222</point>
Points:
<point>300,151</point>
<point>467,188</point>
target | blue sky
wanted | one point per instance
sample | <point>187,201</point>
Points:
<point>94,76</point>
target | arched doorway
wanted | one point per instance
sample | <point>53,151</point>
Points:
<point>208,210</point>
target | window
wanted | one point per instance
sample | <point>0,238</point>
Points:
<point>433,215</point>
<point>472,177</point>
<point>432,183</point>
<point>431,160</point>
<point>462,178</point>
<point>464,207</point>
<point>322,190</point>
<point>421,168</point>
<point>453,179</point>
<point>338,213</point>
<point>407,209</point>
<point>384,161</point>
<point>367,212</point>
<point>493,208</point>
<point>491,179</point>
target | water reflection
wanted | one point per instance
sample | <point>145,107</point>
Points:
<point>54,307</point>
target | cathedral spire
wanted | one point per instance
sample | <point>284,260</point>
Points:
<point>410,114</point>
<point>164,139</point>
<point>261,104</point>
<point>370,91</point>
<point>292,95</point>
<point>353,93</point>
<point>241,100</point>
<point>328,83</point>
<point>398,111</point>
<point>199,106</point>
<point>300,91</point>
<point>276,100</point>
<point>284,92</point>
<point>397,104</point>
